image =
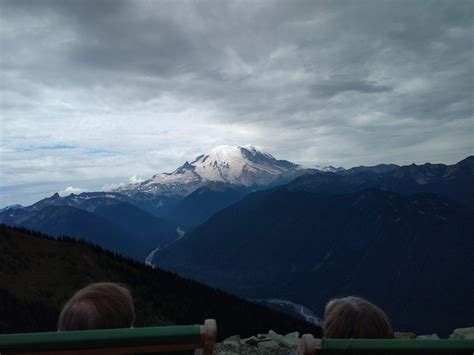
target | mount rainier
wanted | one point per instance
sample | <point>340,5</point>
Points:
<point>241,165</point>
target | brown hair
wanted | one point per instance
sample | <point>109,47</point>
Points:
<point>101,305</point>
<point>356,318</point>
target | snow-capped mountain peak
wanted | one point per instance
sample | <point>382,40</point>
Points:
<point>241,165</point>
<point>245,165</point>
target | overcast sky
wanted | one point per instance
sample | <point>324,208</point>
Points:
<point>95,92</point>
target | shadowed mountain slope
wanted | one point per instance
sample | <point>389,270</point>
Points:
<point>403,252</point>
<point>108,222</point>
<point>207,200</point>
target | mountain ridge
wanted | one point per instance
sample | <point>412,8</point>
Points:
<point>112,223</point>
<point>453,181</point>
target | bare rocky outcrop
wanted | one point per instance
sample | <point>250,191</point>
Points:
<point>262,344</point>
<point>463,333</point>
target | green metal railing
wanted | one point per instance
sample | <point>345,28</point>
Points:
<point>324,346</point>
<point>178,338</point>
<point>101,339</point>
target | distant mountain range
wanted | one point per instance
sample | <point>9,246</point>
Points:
<point>102,218</point>
<point>139,213</point>
<point>185,197</point>
<point>452,181</point>
<point>239,219</point>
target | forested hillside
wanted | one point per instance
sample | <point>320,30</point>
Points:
<point>38,274</point>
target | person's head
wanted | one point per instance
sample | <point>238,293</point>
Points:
<point>356,318</point>
<point>101,305</point>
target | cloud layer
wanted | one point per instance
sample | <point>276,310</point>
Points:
<point>94,92</point>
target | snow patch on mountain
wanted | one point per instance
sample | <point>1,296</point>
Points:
<point>239,165</point>
<point>71,190</point>
<point>11,207</point>
<point>328,169</point>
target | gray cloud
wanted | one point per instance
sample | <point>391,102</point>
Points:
<point>328,82</point>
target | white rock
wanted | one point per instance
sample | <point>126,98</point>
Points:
<point>463,333</point>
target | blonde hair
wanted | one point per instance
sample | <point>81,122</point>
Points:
<point>356,318</point>
<point>101,305</point>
